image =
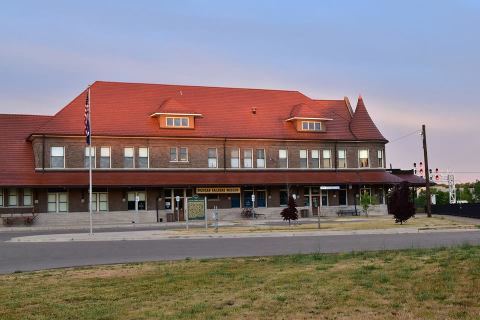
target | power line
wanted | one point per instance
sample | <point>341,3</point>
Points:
<point>404,136</point>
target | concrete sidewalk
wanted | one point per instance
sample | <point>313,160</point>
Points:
<point>165,235</point>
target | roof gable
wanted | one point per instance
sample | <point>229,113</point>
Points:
<point>362,125</point>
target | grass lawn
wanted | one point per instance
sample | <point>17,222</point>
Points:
<point>341,224</point>
<point>411,284</point>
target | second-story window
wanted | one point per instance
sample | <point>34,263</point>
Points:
<point>303,159</point>
<point>177,122</point>
<point>143,157</point>
<point>315,159</point>
<point>128,157</point>
<point>327,158</point>
<point>105,160</point>
<point>57,157</point>
<point>235,158</point>
<point>89,150</point>
<point>1,197</point>
<point>282,158</point>
<point>363,158</point>
<point>212,157</point>
<point>179,154</point>
<point>342,159</point>
<point>380,158</point>
<point>260,158</point>
<point>248,158</point>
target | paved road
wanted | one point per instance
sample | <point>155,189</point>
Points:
<point>35,256</point>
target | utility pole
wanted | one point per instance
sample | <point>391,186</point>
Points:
<point>427,173</point>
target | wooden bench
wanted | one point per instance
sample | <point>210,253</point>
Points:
<point>12,218</point>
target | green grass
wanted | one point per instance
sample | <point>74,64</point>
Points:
<point>412,284</point>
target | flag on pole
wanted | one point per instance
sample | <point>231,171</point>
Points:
<point>87,118</point>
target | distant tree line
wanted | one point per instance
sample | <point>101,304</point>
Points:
<point>469,192</point>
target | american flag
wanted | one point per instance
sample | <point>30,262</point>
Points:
<point>87,118</point>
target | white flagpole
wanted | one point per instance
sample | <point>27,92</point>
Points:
<point>90,161</point>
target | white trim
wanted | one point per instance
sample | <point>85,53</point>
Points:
<point>308,126</point>
<point>109,156</point>
<point>286,152</point>
<point>133,156</point>
<point>306,157</point>
<point>338,158</point>
<point>251,158</point>
<point>94,155</point>
<point>239,158</point>
<point>64,163</point>
<point>308,118</point>
<point>216,158</point>
<point>148,156</point>
<point>368,158</point>
<point>264,158</point>
<point>176,114</point>
<point>330,158</point>
<point>174,126</point>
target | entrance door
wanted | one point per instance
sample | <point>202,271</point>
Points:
<point>235,200</point>
<point>315,205</point>
<point>260,199</point>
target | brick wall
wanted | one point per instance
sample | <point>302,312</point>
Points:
<point>159,151</point>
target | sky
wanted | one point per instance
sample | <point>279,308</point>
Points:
<point>413,62</point>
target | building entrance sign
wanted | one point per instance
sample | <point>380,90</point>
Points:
<point>218,190</point>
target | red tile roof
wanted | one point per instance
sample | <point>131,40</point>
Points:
<point>362,125</point>
<point>124,109</point>
<point>17,162</point>
<point>202,178</point>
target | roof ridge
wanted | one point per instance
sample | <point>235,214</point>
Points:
<point>195,86</point>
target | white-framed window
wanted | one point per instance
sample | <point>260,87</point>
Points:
<point>248,158</point>
<point>180,122</point>
<point>327,158</point>
<point>57,157</point>
<point>128,157</point>
<point>143,157</point>
<point>303,158</point>
<point>99,201</point>
<point>381,163</point>
<point>105,157</point>
<point>183,154</point>
<point>137,200</point>
<point>87,156</point>
<point>342,158</point>
<point>1,197</point>
<point>27,197</point>
<point>315,158</point>
<point>57,202</point>
<point>311,126</point>
<point>260,158</point>
<point>283,158</point>
<point>363,158</point>
<point>178,154</point>
<point>12,197</point>
<point>235,158</point>
<point>212,158</point>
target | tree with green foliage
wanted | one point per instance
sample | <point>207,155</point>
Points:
<point>400,203</point>
<point>366,201</point>
<point>290,212</point>
<point>476,191</point>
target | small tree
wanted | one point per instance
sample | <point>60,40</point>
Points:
<point>400,203</point>
<point>366,201</point>
<point>290,212</point>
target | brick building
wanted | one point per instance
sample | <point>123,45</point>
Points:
<point>152,143</point>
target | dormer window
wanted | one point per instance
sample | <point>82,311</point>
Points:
<point>311,126</point>
<point>177,122</point>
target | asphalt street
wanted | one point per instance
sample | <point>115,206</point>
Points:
<point>43,255</point>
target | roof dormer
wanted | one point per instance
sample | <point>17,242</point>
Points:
<point>308,119</point>
<point>173,115</point>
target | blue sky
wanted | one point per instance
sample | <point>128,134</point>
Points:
<point>413,62</point>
